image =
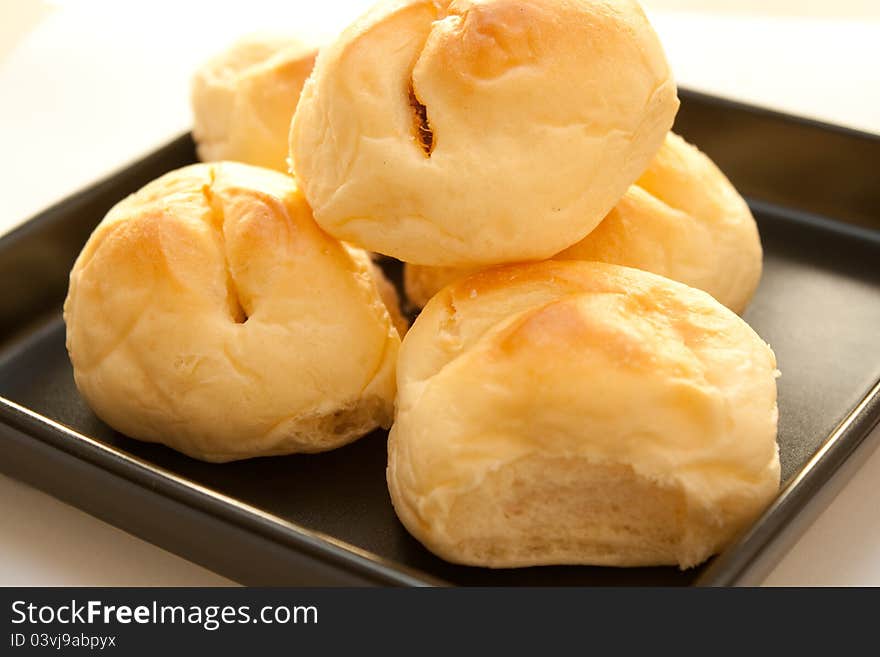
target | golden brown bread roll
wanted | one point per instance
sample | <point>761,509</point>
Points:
<point>682,219</point>
<point>210,313</point>
<point>569,412</point>
<point>243,99</point>
<point>460,133</point>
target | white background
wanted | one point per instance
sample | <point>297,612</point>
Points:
<point>87,86</point>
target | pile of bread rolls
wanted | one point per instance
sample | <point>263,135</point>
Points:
<point>578,388</point>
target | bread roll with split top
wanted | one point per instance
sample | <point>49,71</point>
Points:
<point>471,132</point>
<point>210,313</point>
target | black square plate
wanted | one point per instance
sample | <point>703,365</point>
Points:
<point>327,519</point>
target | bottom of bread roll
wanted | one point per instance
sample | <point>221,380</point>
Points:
<point>309,434</point>
<point>584,514</point>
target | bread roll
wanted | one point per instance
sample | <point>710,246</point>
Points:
<point>581,413</point>
<point>243,100</point>
<point>210,313</point>
<point>475,132</point>
<point>682,219</point>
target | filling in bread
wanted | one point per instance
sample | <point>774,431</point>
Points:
<point>422,129</point>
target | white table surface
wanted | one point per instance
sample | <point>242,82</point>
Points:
<point>87,86</point>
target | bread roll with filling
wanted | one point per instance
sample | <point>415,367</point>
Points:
<point>243,99</point>
<point>210,313</point>
<point>571,412</point>
<point>472,132</point>
<point>682,219</point>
